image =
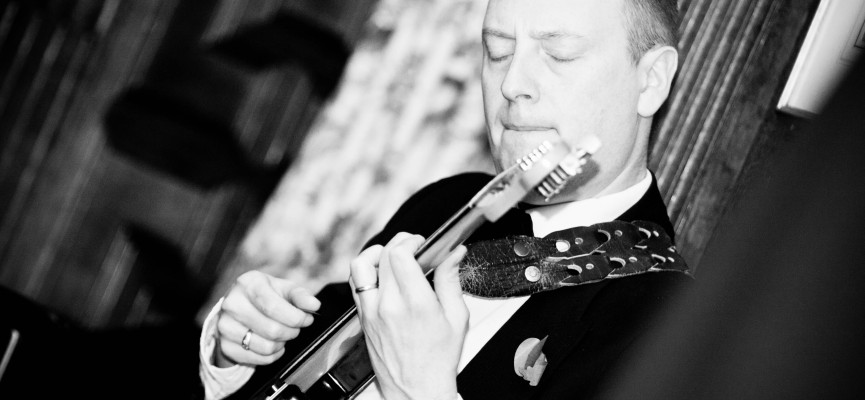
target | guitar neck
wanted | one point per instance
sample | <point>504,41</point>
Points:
<point>443,241</point>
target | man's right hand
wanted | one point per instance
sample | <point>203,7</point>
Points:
<point>265,311</point>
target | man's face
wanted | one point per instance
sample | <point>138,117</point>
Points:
<point>562,68</point>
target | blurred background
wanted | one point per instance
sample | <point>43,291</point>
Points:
<point>153,150</point>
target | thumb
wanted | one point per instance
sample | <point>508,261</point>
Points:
<point>298,296</point>
<point>446,280</point>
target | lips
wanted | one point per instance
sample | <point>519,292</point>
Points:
<point>525,127</point>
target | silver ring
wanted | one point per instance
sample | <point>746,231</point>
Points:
<point>365,288</point>
<point>246,339</point>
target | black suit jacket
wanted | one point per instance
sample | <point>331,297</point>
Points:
<point>589,327</point>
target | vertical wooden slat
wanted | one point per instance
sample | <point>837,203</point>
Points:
<point>18,75</point>
<point>109,280</point>
<point>7,22</point>
<point>38,129</point>
<point>723,65</point>
<point>116,64</point>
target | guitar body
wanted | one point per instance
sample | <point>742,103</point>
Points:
<point>336,365</point>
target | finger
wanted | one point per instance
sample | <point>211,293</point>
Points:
<point>364,274</point>
<point>268,295</point>
<point>233,332</point>
<point>298,296</point>
<point>407,272</point>
<point>239,307</point>
<point>446,279</point>
<point>385,273</point>
<point>237,354</point>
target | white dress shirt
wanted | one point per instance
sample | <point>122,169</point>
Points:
<point>486,316</point>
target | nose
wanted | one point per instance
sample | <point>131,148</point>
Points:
<point>520,84</point>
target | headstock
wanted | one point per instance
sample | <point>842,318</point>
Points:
<point>545,170</point>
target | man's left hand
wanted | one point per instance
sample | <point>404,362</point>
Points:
<point>414,334</point>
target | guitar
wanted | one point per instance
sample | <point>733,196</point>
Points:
<point>336,365</point>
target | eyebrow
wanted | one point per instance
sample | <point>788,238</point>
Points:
<point>497,33</point>
<point>542,35</point>
<point>552,35</point>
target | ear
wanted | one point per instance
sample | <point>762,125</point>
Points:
<point>656,68</point>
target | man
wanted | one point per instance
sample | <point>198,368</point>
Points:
<point>566,68</point>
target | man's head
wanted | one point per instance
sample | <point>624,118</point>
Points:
<point>568,68</point>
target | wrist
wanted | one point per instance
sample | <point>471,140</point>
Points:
<point>219,359</point>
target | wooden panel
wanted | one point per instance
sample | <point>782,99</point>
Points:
<point>57,183</point>
<point>103,234</point>
<point>736,56</point>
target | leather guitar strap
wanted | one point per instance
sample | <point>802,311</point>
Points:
<point>524,265</point>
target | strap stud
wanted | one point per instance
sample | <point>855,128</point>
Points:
<point>533,273</point>
<point>521,249</point>
<point>562,245</point>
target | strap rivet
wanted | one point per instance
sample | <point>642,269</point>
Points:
<point>617,232</point>
<point>632,259</point>
<point>521,249</point>
<point>562,245</point>
<point>590,266</point>
<point>578,241</point>
<point>533,273</point>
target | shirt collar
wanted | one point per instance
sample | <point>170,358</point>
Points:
<point>556,217</point>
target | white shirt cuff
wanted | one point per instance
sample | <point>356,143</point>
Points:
<point>218,382</point>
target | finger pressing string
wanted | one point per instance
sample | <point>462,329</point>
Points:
<point>364,277</point>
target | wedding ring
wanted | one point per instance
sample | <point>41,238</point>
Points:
<point>246,339</point>
<point>365,288</point>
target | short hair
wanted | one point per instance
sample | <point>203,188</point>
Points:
<point>651,23</point>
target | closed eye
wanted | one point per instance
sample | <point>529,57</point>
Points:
<point>562,59</point>
<point>498,47</point>
<point>499,58</point>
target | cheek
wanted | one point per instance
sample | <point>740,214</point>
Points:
<point>493,102</point>
<point>603,109</point>
<point>600,97</point>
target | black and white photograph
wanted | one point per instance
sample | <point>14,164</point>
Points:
<point>432,199</point>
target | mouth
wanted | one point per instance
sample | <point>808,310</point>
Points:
<point>516,140</point>
<point>525,127</point>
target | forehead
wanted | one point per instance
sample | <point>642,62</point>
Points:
<point>580,17</point>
